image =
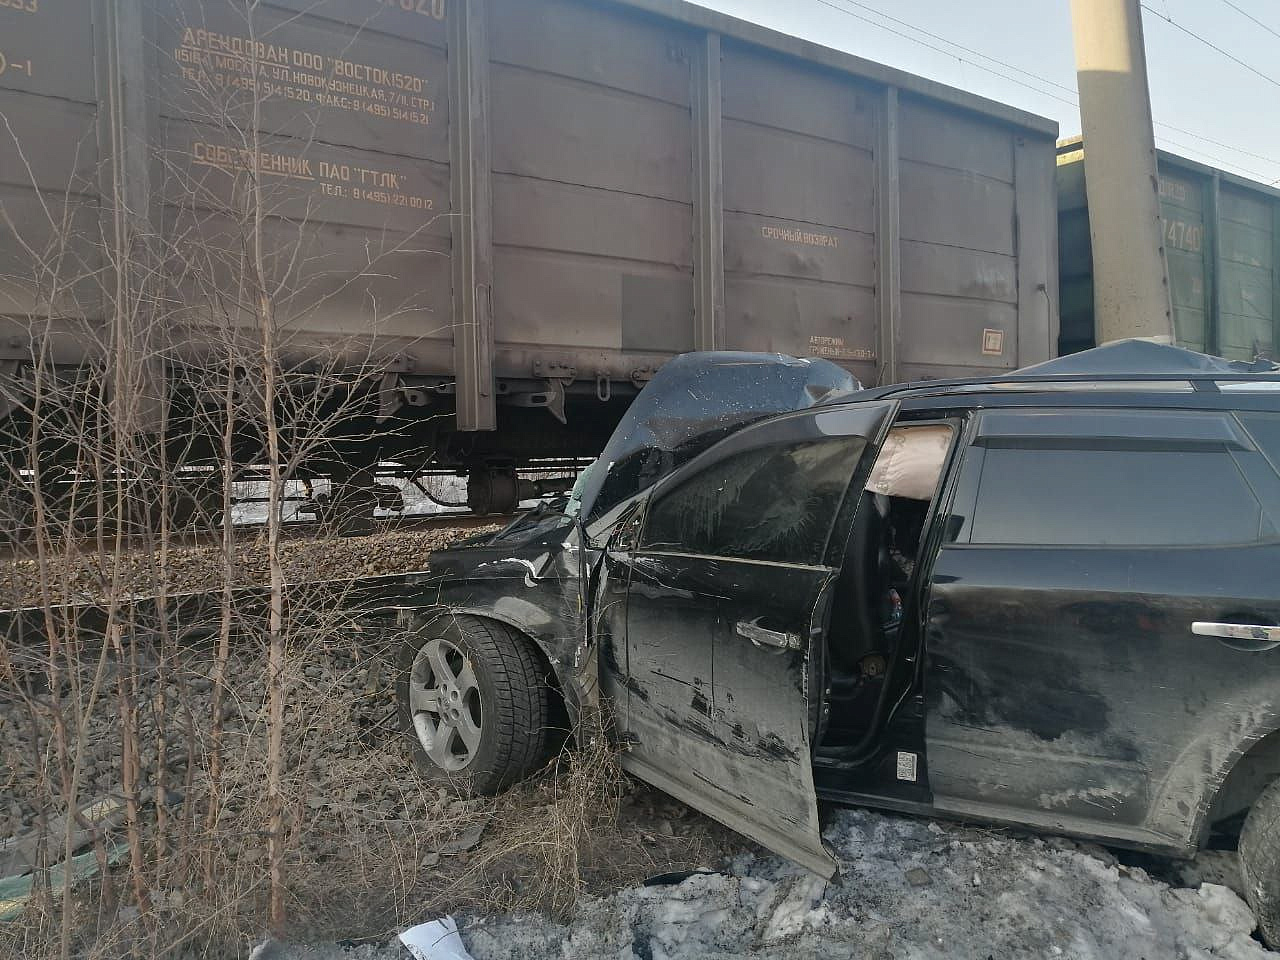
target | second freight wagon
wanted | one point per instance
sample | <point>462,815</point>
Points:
<point>1222,242</point>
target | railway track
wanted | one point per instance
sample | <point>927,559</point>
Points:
<point>292,530</point>
<point>323,575</point>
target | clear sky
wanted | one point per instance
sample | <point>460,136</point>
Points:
<point>1206,106</point>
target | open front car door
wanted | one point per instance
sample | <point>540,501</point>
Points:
<point>728,582</point>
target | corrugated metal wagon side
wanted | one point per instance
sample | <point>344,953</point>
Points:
<point>56,179</point>
<point>666,179</point>
<point>1222,241</point>
<point>514,211</point>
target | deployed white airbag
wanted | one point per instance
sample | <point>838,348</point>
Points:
<point>910,462</point>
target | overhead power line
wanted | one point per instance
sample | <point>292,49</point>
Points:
<point>959,46</point>
<point>951,53</point>
<point>1210,44</point>
<point>1217,143</point>
<point>1071,99</point>
<point>1249,16</point>
<point>1218,161</point>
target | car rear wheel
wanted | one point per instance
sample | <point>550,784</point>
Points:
<point>474,701</point>
<point>1260,862</point>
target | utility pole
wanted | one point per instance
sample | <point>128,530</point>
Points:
<point>1130,273</point>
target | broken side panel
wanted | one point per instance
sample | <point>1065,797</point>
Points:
<point>727,595</point>
<point>717,694</point>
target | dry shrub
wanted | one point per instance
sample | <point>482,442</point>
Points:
<point>367,840</point>
<point>543,837</point>
<point>283,797</point>
<point>355,815</point>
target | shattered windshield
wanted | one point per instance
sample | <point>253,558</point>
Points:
<point>692,402</point>
<point>546,518</point>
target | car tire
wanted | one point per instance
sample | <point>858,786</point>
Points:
<point>1260,862</point>
<point>474,702</point>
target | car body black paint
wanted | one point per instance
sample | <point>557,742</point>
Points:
<point>1056,688</point>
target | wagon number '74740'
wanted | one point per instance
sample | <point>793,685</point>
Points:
<point>1184,236</point>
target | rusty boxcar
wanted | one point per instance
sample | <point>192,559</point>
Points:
<point>514,210</point>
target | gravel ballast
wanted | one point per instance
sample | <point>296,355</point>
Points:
<point>82,575</point>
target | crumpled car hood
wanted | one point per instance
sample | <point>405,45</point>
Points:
<point>692,402</point>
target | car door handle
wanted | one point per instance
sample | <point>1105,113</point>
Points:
<point>1240,636</point>
<point>764,637</point>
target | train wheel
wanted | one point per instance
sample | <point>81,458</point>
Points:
<point>493,491</point>
<point>348,510</point>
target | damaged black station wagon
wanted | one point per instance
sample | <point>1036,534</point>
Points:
<point>1049,600</point>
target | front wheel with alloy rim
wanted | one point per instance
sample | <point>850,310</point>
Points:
<point>474,701</point>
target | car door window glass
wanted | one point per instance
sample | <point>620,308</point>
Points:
<point>774,503</point>
<point>1112,496</point>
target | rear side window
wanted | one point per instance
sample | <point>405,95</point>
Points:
<point>1114,497</point>
<point>775,503</point>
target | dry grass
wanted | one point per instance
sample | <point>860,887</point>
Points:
<point>368,840</point>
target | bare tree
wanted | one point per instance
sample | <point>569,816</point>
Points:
<point>196,369</point>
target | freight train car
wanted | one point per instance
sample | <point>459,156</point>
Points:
<point>1222,240</point>
<point>506,213</point>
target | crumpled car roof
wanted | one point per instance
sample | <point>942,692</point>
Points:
<point>1138,358</point>
<point>694,400</point>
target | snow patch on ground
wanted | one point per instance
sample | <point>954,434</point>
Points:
<point>908,889</point>
<point>980,894</point>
